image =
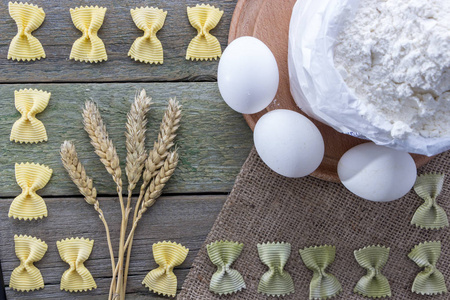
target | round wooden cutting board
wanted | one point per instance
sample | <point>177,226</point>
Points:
<point>268,20</point>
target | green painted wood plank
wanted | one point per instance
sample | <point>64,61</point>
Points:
<point>183,219</point>
<point>118,32</point>
<point>213,140</point>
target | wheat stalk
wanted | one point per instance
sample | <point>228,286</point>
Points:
<point>136,156</point>
<point>156,168</point>
<point>78,175</point>
<point>104,147</point>
<point>155,160</point>
<point>135,138</point>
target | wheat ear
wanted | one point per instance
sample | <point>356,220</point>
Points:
<point>167,133</point>
<point>155,188</point>
<point>155,160</point>
<point>78,175</point>
<point>104,147</point>
<point>135,138</point>
<point>135,145</point>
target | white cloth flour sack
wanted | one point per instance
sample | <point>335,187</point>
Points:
<point>375,69</point>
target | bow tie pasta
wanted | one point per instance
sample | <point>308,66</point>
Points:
<point>89,47</point>
<point>26,277</point>
<point>167,255</point>
<point>29,205</point>
<point>28,129</point>
<point>28,18</point>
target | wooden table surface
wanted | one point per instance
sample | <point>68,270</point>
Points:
<point>214,140</point>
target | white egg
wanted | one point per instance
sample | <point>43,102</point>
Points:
<point>288,143</point>
<point>247,75</point>
<point>377,173</point>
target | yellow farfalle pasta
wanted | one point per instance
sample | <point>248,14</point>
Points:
<point>75,252</point>
<point>29,205</point>
<point>28,18</point>
<point>28,129</point>
<point>148,48</point>
<point>204,46</point>
<point>26,277</point>
<point>162,280</point>
<point>89,47</point>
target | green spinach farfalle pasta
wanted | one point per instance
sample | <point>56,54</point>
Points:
<point>225,280</point>
<point>430,281</point>
<point>323,285</point>
<point>276,281</point>
<point>430,215</point>
<point>373,284</point>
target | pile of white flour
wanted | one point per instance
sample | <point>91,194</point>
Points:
<point>395,56</point>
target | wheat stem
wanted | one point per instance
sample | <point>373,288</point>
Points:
<point>104,148</point>
<point>155,160</point>
<point>156,168</point>
<point>121,244</point>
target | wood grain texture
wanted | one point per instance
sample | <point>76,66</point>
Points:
<point>269,21</point>
<point>213,140</point>
<point>183,219</point>
<point>118,32</point>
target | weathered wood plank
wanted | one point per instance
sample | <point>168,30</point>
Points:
<point>118,32</point>
<point>183,219</point>
<point>213,140</point>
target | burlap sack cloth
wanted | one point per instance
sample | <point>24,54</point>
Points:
<point>264,206</point>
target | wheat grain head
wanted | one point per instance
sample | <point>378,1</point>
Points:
<point>135,138</point>
<point>167,133</point>
<point>104,147</point>
<point>155,188</point>
<point>77,172</point>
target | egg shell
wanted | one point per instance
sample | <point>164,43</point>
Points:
<point>288,143</point>
<point>377,173</point>
<point>248,75</point>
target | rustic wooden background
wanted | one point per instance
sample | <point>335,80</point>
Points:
<point>214,141</point>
